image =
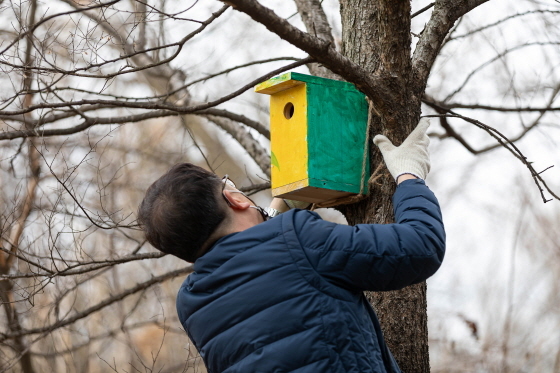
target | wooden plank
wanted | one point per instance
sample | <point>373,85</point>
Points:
<point>310,194</point>
<point>277,84</point>
<point>337,124</point>
<point>288,143</point>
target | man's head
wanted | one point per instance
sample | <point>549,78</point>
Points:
<point>182,210</point>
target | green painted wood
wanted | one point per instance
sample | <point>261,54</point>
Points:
<point>337,125</point>
<point>322,81</point>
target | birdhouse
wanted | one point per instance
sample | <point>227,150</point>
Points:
<point>318,134</point>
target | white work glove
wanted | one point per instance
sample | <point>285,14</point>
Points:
<point>296,204</point>
<point>411,157</point>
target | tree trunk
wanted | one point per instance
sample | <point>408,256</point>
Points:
<point>16,230</point>
<point>14,325</point>
<point>376,35</point>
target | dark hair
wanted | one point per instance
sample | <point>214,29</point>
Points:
<point>181,210</point>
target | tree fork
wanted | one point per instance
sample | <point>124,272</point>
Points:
<point>377,37</point>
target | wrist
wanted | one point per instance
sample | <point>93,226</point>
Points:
<point>293,204</point>
<point>406,176</point>
<point>279,205</point>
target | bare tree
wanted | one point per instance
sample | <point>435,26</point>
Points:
<point>99,97</point>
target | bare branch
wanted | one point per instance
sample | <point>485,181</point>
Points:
<point>144,63</point>
<point>316,23</point>
<point>91,339</point>
<point>167,109</point>
<point>227,71</point>
<point>376,87</point>
<point>46,19</point>
<point>82,267</point>
<point>95,308</point>
<point>244,138</point>
<point>492,60</point>
<point>238,118</point>
<point>417,13</point>
<point>255,188</point>
<point>444,15</point>
<point>443,108</point>
<point>512,109</point>
<point>497,23</point>
<point>504,142</point>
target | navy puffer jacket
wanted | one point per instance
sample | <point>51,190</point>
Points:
<point>286,295</point>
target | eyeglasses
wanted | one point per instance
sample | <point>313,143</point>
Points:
<point>227,181</point>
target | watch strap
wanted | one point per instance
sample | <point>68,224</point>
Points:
<point>271,212</point>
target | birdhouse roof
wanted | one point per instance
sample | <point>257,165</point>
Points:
<point>288,80</point>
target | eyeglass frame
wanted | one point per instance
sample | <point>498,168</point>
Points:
<point>228,181</point>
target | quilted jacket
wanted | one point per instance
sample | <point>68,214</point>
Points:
<point>286,295</point>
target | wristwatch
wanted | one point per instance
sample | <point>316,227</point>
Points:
<point>271,212</point>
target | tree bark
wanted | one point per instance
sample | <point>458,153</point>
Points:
<point>316,23</point>
<point>377,37</point>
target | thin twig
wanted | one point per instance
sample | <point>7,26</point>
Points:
<point>510,146</point>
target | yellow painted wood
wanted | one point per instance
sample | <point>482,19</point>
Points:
<point>289,188</point>
<point>289,138</point>
<point>277,84</point>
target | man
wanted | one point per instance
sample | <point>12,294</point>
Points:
<point>285,294</point>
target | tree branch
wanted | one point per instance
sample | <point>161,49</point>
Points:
<point>316,23</point>
<point>165,109</point>
<point>375,87</point>
<point>529,12</point>
<point>443,108</point>
<point>82,267</point>
<point>492,60</point>
<point>107,302</point>
<point>507,144</point>
<point>238,118</point>
<point>248,142</point>
<point>34,26</point>
<point>456,105</point>
<point>444,15</point>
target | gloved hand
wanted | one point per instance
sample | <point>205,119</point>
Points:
<point>296,204</point>
<point>412,156</point>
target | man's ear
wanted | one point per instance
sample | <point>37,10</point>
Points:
<point>237,200</point>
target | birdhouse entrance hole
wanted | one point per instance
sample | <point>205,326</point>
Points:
<point>289,110</point>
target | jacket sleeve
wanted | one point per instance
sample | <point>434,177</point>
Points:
<point>378,257</point>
